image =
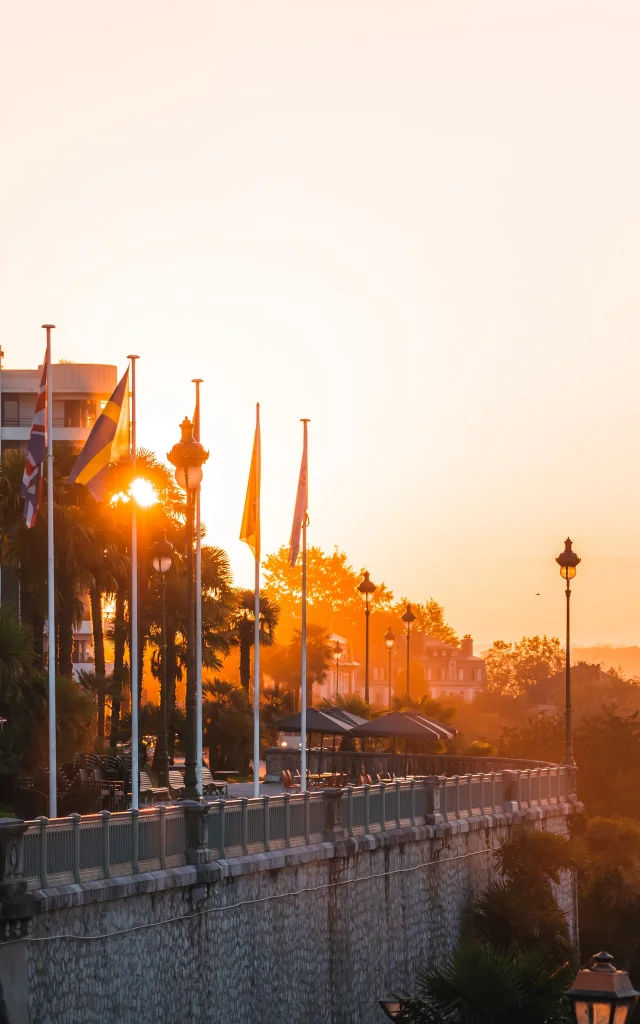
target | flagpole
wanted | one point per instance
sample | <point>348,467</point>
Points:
<point>256,626</point>
<point>303,672</point>
<point>196,434</point>
<point>133,643</point>
<point>51,595</point>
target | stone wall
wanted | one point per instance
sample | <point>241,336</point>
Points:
<point>310,934</point>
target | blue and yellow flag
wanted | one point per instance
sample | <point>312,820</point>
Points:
<point>106,443</point>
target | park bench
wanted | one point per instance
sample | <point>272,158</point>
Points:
<point>150,793</point>
<point>211,785</point>
<point>176,783</point>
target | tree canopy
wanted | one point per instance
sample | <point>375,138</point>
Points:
<point>514,667</point>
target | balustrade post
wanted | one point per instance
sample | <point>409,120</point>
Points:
<point>433,809</point>
<point>106,815</point>
<point>15,901</point>
<point>307,814</point>
<point>197,851</point>
<point>75,845</point>
<point>412,785</point>
<point>245,825</point>
<point>481,792</point>
<point>383,809</point>
<point>366,809</point>
<point>350,809</point>
<point>162,829</point>
<point>510,787</point>
<point>287,820</point>
<point>265,819</point>
<point>333,830</point>
<point>43,822</point>
<point>469,778</point>
<point>134,812</point>
<point>398,814</point>
<point>221,806</point>
<point>456,779</point>
<point>492,776</point>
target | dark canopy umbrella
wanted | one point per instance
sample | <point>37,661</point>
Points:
<point>317,721</point>
<point>408,724</point>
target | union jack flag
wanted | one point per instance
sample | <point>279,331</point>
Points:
<point>31,489</point>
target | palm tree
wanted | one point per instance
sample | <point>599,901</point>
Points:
<point>426,705</point>
<point>480,985</point>
<point>520,910</point>
<point>351,702</point>
<point>227,725</point>
<point>17,655</point>
<point>242,631</point>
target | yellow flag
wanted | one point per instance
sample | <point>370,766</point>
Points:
<point>250,529</point>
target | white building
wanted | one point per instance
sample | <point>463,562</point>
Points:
<point>80,393</point>
<point>343,675</point>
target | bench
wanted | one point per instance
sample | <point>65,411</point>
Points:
<point>211,785</point>
<point>176,782</point>
<point>149,792</point>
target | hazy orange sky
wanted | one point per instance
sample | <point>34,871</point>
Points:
<point>415,223</point>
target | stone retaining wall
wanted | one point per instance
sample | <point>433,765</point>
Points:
<point>312,934</point>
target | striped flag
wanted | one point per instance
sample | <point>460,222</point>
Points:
<point>302,503</point>
<point>31,489</point>
<point>108,440</point>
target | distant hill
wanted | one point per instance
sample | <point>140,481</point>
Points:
<point>626,659</point>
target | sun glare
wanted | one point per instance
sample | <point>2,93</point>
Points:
<point>143,493</point>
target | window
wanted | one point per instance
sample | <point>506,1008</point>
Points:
<point>375,674</point>
<point>10,411</point>
<point>461,674</point>
<point>429,674</point>
<point>442,675</point>
<point>79,412</point>
<point>478,675</point>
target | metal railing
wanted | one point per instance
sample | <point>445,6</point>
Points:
<point>89,847</point>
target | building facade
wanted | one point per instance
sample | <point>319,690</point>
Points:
<point>344,674</point>
<point>438,669</point>
<point>80,393</point>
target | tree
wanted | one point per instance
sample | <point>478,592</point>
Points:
<point>242,628</point>
<point>429,619</point>
<point>609,887</point>
<point>227,725</point>
<point>352,703</point>
<point>285,662</point>
<point>17,656</point>
<point>481,985</point>
<point>540,738</point>
<point>332,595</point>
<point>514,667</point>
<point>520,911</point>
<point>426,705</point>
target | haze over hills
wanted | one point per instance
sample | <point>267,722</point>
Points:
<point>626,659</point>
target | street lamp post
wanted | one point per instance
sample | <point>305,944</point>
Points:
<point>188,456</point>
<point>337,654</point>
<point>600,994</point>
<point>390,639</point>
<point>161,554</point>
<point>568,562</point>
<point>408,618</point>
<point>367,589</point>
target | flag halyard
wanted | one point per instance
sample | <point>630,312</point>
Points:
<point>31,489</point>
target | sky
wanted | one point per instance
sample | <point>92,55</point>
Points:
<point>415,223</point>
